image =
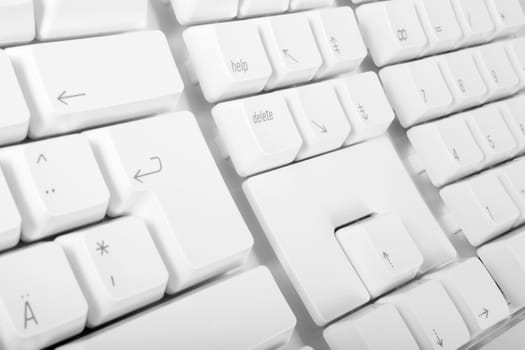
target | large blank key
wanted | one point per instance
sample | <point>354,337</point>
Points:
<point>117,266</point>
<point>313,198</point>
<point>56,183</point>
<point>171,181</point>
<point>17,23</point>
<point>41,300</point>
<point>82,83</point>
<point>67,18</point>
<point>244,312</point>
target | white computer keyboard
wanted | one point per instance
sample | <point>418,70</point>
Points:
<point>262,174</point>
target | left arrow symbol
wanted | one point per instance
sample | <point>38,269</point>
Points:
<point>63,97</point>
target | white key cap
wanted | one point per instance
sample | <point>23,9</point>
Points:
<point>171,182</point>
<point>392,31</point>
<point>41,300</point>
<point>250,8</point>
<point>13,108</point>
<point>474,293</point>
<point>377,327</point>
<point>319,117</point>
<point>512,110</point>
<point>504,258</point>
<point>475,20</point>
<point>292,49</point>
<point>447,149</point>
<point>516,51</point>
<point>508,16</point>
<point>339,40</point>
<point>17,22</point>
<point>481,206</point>
<point>207,319</point>
<point>83,83</point>
<point>497,70</point>
<point>441,25</point>
<point>117,267</point>
<point>366,106</point>
<point>431,316</point>
<point>229,59</point>
<point>315,197</point>
<point>11,222</point>
<point>198,11</point>
<point>418,91</point>
<point>56,183</point>
<point>258,132</point>
<point>308,4</point>
<point>512,175</point>
<point>382,252</point>
<point>57,19</point>
<point>464,79</point>
<point>492,133</point>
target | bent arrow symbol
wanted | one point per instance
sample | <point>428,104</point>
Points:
<point>63,97</point>
<point>139,174</point>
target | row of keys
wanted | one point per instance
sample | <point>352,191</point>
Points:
<point>57,185</point>
<point>77,84</point>
<point>433,87</point>
<point>271,130</point>
<point>22,20</point>
<point>319,196</point>
<point>245,57</point>
<point>119,270</point>
<point>465,143</point>
<point>443,311</point>
<point>200,11</point>
<point>489,204</point>
<point>399,30</point>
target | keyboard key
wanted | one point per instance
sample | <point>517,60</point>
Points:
<point>441,25</point>
<point>259,132</point>
<point>11,223</point>
<point>377,327</point>
<point>366,106</point>
<point>42,302</point>
<point>481,206</point>
<point>492,133</point>
<point>229,59</point>
<point>418,91</point>
<point>199,11</point>
<point>13,108</point>
<point>507,15</point>
<point>447,149</point>
<point>464,79</point>
<point>83,83</point>
<point>382,252</point>
<point>497,70</point>
<point>474,293</point>
<point>17,22</point>
<point>171,182</point>
<point>475,20</point>
<point>516,52</point>
<point>512,177</point>
<point>210,318</point>
<point>56,183</point>
<point>308,4</point>
<point>292,49</point>
<point>250,8</point>
<point>392,31</point>
<point>512,110</point>
<point>117,267</point>
<point>57,19</point>
<point>339,40</point>
<point>319,117</point>
<point>504,260</point>
<point>315,197</point>
<point>431,316</point>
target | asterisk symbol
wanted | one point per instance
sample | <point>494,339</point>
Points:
<point>103,248</point>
